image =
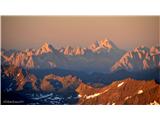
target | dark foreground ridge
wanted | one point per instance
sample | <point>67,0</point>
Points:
<point>20,86</point>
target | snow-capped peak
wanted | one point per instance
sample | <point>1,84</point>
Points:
<point>140,58</point>
<point>45,48</point>
<point>72,51</point>
<point>68,50</point>
<point>103,44</point>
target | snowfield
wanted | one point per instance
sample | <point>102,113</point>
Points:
<point>120,84</point>
<point>140,91</point>
<point>92,96</point>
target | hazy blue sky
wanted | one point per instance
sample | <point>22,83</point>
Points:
<point>23,32</point>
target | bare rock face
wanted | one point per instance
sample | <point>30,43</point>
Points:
<point>53,82</point>
<point>20,77</point>
<point>141,58</point>
<point>100,45</point>
<point>45,48</point>
<point>128,91</point>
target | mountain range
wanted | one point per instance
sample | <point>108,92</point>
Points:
<point>20,85</point>
<point>102,73</point>
<point>102,56</point>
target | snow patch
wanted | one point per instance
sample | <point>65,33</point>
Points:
<point>105,91</point>
<point>126,98</point>
<point>154,103</point>
<point>43,96</point>
<point>96,94</point>
<point>113,103</point>
<point>92,96</point>
<point>79,96</point>
<point>51,64</point>
<point>9,89</point>
<point>70,97</point>
<point>140,91</point>
<point>120,84</point>
<point>18,74</point>
<point>56,98</point>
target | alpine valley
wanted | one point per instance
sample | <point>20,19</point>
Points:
<point>101,73</point>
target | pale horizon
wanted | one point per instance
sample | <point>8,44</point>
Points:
<point>23,32</point>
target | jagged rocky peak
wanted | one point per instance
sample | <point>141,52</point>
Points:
<point>140,58</point>
<point>45,48</point>
<point>155,50</point>
<point>68,50</point>
<point>141,48</point>
<point>103,44</point>
<point>72,51</point>
<point>80,51</point>
<point>106,43</point>
<point>100,46</point>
